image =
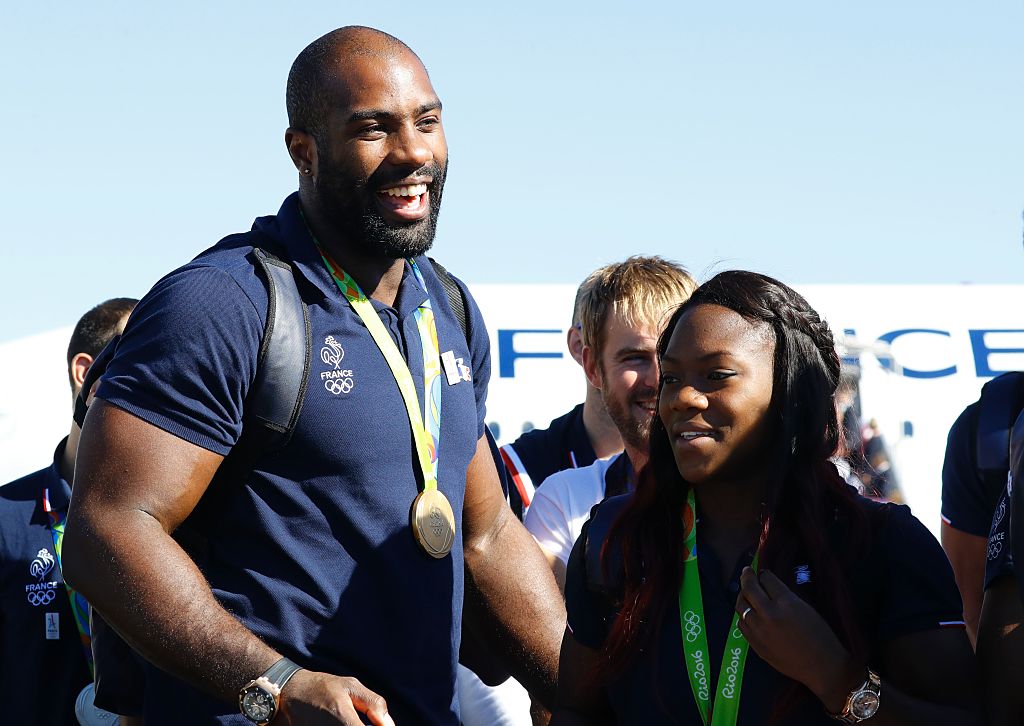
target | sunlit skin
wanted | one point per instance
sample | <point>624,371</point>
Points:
<point>136,483</point>
<point>716,390</point>
<point>384,132</point>
<point>626,373</point>
<point>717,378</point>
<point>385,129</point>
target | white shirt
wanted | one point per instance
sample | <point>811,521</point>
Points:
<point>562,504</point>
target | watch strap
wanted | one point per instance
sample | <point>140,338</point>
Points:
<point>281,672</point>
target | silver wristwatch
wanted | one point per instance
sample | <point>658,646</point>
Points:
<point>260,699</point>
<point>863,702</point>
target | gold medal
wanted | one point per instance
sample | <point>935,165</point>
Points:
<point>433,523</point>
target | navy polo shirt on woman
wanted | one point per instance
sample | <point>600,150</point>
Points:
<point>903,585</point>
<point>312,550</point>
<point>42,662</point>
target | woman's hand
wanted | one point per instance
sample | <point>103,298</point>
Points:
<point>791,637</point>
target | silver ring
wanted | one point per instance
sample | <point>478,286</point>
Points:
<point>743,615</point>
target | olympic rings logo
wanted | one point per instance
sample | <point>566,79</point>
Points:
<point>339,385</point>
<point>994,549</point>
<point>44,597</point>
<point>691,623</point>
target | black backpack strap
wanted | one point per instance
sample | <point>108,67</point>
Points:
<point>285,354</point>
<point>456,297</point>
<point>1015,495</point>
<point>459,307</point>
<point>274,402</point>
<point>1001,401</point>
<point>999,405</point>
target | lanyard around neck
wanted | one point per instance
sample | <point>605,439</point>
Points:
<point>426,435</point>
<point>79,606</point>
<point>726,704</point>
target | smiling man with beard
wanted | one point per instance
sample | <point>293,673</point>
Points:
<point>324,581</point>
<point>622,310</point>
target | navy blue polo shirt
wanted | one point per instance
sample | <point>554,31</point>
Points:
<point>999,556</point>
<point>42,663</point>
<point>967,501</point>
<point>312,550</point>
<point>904,585</point>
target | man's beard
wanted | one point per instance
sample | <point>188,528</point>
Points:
<point>634,431</point>
<point>350,206</point>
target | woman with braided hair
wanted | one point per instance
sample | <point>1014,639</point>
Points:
<point>744,582</point>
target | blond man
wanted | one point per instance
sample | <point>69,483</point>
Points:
<point>622,309</point>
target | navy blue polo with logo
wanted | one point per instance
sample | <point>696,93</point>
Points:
<point>42,661</point>
<point>904,584</point>
<point>312,548</point>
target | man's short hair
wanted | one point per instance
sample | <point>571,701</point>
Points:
<point>308,97</point>
<point>643,291</point>
<point>95,329</point>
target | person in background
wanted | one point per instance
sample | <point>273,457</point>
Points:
<point>622,310</point>
<point>45,658</point>
<point>1001,625</point>
<point>617,314</point>
<point>744,582</point>
<point>974,473</point>
<point>574,439</point>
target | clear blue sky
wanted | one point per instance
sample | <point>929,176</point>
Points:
<point>818,142</point>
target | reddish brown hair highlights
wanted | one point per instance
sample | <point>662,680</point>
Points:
<point>806,495</point>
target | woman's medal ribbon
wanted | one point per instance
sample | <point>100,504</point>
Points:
<point>725,708</point>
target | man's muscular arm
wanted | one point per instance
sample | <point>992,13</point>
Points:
<point>513,581</point>
<point>1001,652</point>
<point>134,484</point>
<point>966,553</point>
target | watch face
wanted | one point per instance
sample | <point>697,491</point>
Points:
<point>258,705</point>
<point>864,704</point>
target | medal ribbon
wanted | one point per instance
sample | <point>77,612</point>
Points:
<point>695,642</point>
<point>426,429</point>
<point>79,606</point>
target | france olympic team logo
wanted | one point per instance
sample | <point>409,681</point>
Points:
<point>41,593</point>
<point>691,622</point>
<point>337,380</point>
<point>41,565</point>
<point>332,352</point>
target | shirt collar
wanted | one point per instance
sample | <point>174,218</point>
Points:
<point>57,493</point>
<point>619,478</point>
<point>289,227</point>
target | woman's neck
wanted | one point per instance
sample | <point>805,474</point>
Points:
<point>730,512</point>
<point>730,521</point>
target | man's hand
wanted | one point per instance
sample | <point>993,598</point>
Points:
<point>320,699</point>
<point>794,639</point>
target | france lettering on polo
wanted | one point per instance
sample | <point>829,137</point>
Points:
<point>313,551</point>
<point>42,663</point>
